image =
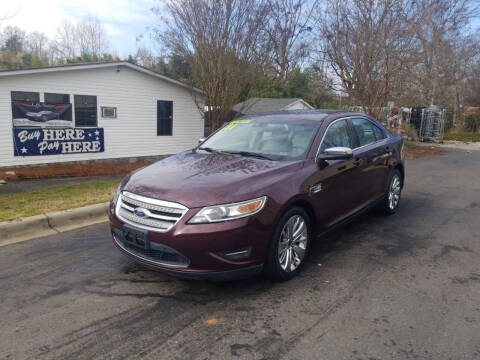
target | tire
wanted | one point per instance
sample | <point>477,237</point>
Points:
<point>393,195</point>
<point>283,264</point>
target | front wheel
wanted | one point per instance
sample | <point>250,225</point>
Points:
<point>394,192</point>
<point>289,246</point>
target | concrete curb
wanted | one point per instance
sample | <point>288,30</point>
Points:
<point>51,223</point>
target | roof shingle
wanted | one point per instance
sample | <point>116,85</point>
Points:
<point>261,105</point>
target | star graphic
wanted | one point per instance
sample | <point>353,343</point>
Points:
<point>24,150</point>
<point>97,132</point>
<point>89,135</point>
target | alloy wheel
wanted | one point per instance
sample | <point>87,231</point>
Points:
<point>293,242</point>
<point>394,192</point>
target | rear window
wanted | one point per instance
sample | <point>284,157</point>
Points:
<point>379,134</point>
<point>365,131</point>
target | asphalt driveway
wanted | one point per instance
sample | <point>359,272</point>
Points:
<point>400,287</point>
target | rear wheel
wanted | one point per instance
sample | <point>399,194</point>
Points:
<point>289,246</point>
<point>394,192</point>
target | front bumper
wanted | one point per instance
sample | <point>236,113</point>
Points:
<point>201,248</point>
<point>236,274</point>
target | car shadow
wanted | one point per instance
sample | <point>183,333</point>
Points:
<point>382,234</point>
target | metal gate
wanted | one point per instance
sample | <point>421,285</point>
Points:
<point>432,124</point>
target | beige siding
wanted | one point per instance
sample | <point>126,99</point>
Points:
<point>298,105</point>
<point>132,133</point>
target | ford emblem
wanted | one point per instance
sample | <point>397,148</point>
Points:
<point>141,212</point>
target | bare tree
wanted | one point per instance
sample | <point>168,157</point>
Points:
<point>87,38</point>
<point>220,39</point>
<point>65,42</point>
<point>368,47</point>
<point>6,16</point>
<point>38,45</point>
<point>437,25</point>
<point>91,37</point>
<point>472,83</point>
<point>12,39</point>
<point>287,33</point>
<point>457,63</point>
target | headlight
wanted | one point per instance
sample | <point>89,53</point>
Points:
<point>117,193</point>
<point>227,212</point>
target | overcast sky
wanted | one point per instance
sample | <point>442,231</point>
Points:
<point>124,20</point>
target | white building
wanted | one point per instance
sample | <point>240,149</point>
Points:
<point>263,105</point>
<point>94,111</point>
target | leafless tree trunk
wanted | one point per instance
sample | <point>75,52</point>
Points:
<point>465,53</point>
<point>86,38</point>
<point>38,44</point>
<point>66,40</point>
<point>220,39</point>
<point>368,47</point>
<point>289,25</point>
<point>437,24</point>
<point>472,84</point>
<point>92,37</point>
<point>7,15</point>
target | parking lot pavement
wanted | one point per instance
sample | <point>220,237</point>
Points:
<point>400,287</point>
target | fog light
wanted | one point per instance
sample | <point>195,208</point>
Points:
<point>238,254</point>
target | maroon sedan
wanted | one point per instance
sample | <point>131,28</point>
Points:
<point>255,194</point>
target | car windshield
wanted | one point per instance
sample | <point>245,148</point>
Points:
<point>274,139</point>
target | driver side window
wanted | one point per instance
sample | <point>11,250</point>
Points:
<point>337,136</point>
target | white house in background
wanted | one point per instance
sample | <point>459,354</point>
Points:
<point>94,111</point>
<point>262,105</point>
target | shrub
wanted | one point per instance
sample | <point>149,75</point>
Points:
<point>462,136</point>
<point>472,123</point>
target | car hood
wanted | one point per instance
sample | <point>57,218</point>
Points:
<point>197,179</point>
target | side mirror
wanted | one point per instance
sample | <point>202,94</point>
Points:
<point>201,140</point>
<point>336,153</point>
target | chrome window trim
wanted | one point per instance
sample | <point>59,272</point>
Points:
<point>376,141</point>
<point>347,118</point>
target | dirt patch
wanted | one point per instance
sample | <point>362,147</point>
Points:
<point>68,170</point>
<point>415,150</point>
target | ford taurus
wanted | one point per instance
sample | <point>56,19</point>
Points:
<point>254,195</point>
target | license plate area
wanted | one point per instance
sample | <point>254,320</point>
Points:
<point>135,237</point>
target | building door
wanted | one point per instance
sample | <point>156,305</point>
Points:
<point>164,117</point>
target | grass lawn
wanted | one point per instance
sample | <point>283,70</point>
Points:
<point>35,202</point>
<point>465,136</point>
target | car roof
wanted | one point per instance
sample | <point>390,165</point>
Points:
<point>307,114</point>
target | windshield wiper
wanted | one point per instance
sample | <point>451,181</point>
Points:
<point>251,154</point>
<point>209,149</point>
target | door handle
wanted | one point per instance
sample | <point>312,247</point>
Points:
<point>388,151</point>
<point>357,162</point>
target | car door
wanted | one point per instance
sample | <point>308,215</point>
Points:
<point>371,157</point>
<point>330,185</point>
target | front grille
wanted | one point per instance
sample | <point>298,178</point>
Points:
<point>157,253</point>
<point>160,215</point>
